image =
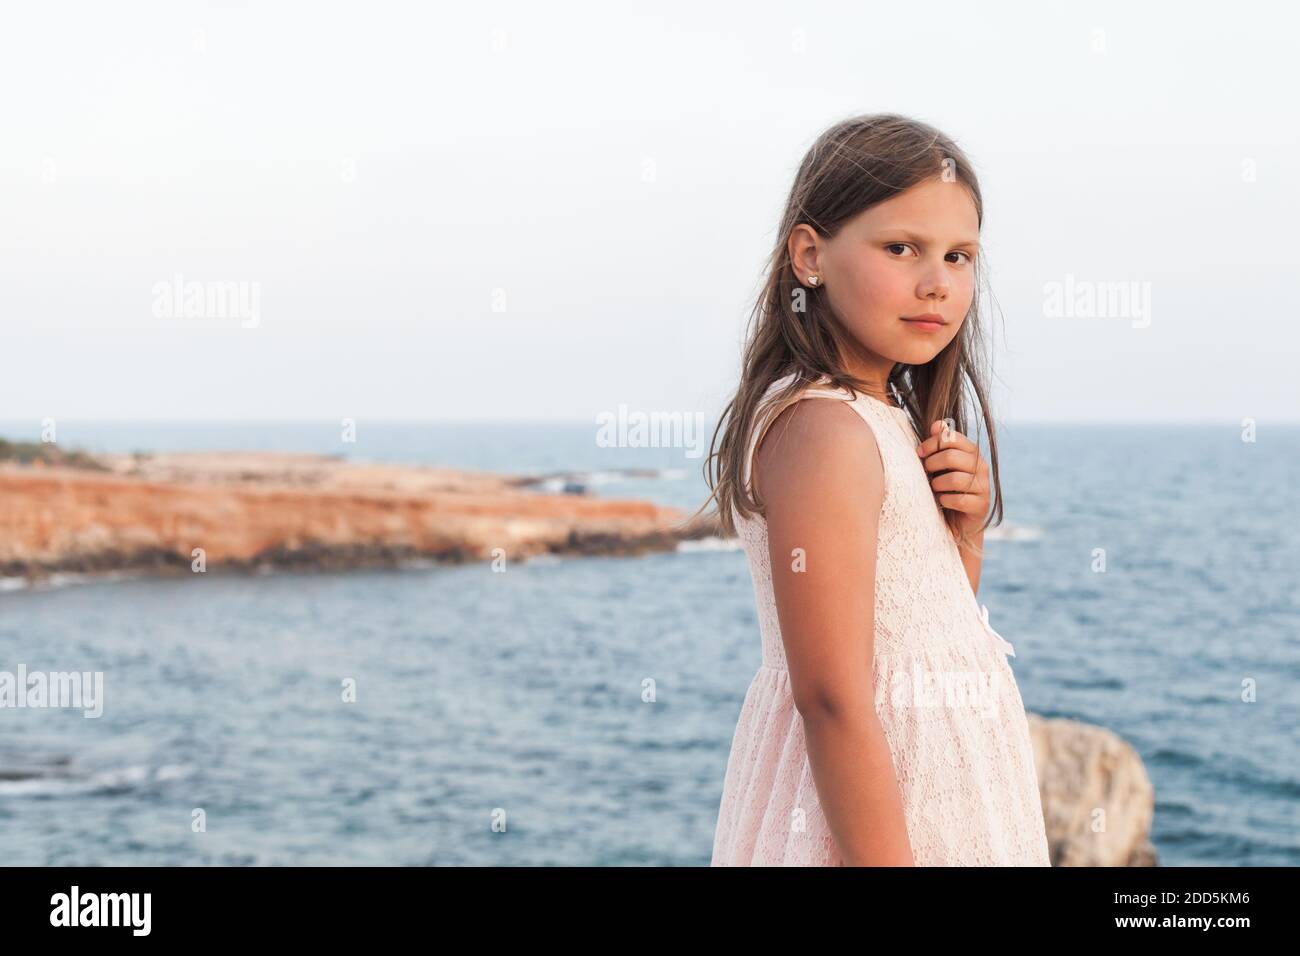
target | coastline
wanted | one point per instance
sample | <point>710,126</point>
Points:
<point>256,512</point>
<point>253,511</point>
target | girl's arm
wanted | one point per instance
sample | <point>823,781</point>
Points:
<point>971,561</point>
<point>820,477</point>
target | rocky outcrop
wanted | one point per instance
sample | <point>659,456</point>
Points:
<point>1098,802</point>
<point>247,510</point>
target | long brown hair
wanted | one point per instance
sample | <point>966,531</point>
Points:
<point>852,166</point>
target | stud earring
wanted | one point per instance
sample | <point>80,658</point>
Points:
<point>812,280</point>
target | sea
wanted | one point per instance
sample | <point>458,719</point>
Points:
<point>579,710</point>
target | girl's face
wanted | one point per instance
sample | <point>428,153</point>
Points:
<point>910,256</point>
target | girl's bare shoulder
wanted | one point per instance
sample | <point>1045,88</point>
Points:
<point>817,445</point>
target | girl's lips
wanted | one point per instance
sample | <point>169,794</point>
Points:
<point>924,325</point>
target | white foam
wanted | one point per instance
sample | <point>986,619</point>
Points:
<point>710,544</point>
<point>1008,531</point>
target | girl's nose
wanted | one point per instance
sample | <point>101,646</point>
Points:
<point>933,283</point>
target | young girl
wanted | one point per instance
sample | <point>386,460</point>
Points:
<point>884,726</point>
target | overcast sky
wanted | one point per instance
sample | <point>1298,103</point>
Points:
<point>509,211</point>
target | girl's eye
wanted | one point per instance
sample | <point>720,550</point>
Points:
<point>898,248</point>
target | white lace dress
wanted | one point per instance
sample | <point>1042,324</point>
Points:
<point>944,692</point>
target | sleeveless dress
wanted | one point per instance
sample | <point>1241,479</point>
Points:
<point>944,692</point>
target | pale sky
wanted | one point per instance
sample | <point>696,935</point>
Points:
<point>447,215</point>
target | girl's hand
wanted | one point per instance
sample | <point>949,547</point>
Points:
<point>964,485</point>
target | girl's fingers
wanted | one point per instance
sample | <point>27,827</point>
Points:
<point>959,481</point>
<point>964,485</point>
<point>943,436</point>
<point>965,503</point>
<point>959,459</point>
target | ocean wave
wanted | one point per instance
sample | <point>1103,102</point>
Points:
<point>710,544</point>
<point>57,781</point>
<point>577,482</point>
<point>64,579</point>
<point>1008,531</point>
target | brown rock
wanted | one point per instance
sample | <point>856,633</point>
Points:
<point>250,509</point>
<point>1098,802</point>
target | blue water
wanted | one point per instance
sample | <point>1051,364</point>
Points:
<point>522,695</point>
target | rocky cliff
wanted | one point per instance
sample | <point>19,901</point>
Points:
<point>289,510</point>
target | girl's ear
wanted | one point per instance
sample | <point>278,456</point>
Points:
<point>803,252</point>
